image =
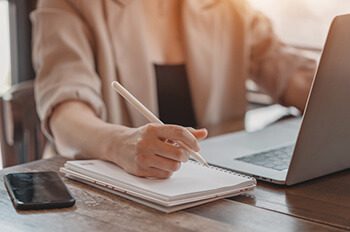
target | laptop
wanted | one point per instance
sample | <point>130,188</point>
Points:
<point>297,150</point>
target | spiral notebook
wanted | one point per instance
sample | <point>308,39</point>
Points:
<point>192,185</point>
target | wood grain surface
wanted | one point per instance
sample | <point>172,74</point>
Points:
<point>324,200</point>
<point>309,207</point>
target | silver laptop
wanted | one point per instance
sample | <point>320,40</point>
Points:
<point>297,150</point>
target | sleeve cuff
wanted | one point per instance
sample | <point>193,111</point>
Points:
<point>49,99</point>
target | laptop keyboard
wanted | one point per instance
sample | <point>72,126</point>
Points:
<point>277,159</point>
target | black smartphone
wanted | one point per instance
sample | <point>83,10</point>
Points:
<point>37,190</point>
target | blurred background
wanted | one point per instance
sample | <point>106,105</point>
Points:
<point>301,23</point>
<point>5,67</point>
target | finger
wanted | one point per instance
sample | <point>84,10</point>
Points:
<point>200,134</point>
<point>152,173</point>
<point>170,151</point>
<point>159,162</point>
<point>178,133</point>
<point>158,173</point>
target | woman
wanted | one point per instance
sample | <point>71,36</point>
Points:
<point>205,49</point>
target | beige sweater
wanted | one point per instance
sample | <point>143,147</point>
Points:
<point>80,47</point>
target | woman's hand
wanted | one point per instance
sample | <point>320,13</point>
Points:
<point>144,151</point>
<point>140,151</point>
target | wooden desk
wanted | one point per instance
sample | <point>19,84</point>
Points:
<point>320,205</point>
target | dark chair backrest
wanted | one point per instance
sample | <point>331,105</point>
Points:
<point>20,134</point>
<point>21,40</point>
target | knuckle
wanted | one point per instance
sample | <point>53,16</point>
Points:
<point>141,145</point>
<point>141,159</point>
<point>180,154</point>
<point>180,132</point>
<point>184,134</point>
<point>177,152</point>
<point>151,128</point>
<point>174,166</point>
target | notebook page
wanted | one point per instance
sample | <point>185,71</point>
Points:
<point>190,180</point>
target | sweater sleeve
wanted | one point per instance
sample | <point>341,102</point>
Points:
<point>63,58</point>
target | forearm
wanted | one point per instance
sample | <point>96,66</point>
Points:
<point>77,130</point>
<point>140,151</point>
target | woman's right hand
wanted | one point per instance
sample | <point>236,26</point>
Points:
<point>140,151</point>
<point>144,151</point>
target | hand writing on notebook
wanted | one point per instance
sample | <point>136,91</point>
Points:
<point>145,153</point>
<point>140,151</point>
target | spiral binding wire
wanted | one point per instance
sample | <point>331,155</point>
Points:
<point>223,170</point>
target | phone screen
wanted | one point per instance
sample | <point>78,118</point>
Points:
<point>38,190</point>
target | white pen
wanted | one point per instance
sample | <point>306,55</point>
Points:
<point>151,117</point>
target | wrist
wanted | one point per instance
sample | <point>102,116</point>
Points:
<point>113,142</point>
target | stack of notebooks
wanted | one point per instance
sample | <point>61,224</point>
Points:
<point>192,185</point>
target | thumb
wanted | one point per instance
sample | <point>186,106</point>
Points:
<point>200,134</point>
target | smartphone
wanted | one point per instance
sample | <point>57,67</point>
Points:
<point>37,190</point>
